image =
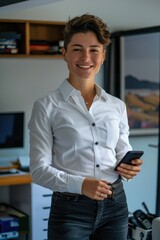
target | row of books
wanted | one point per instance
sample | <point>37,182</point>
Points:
<point>45,47</point>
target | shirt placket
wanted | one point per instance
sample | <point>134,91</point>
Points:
<point>94,130</point>
<point>97,163</point>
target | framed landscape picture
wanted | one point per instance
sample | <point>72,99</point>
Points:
<point>140,81</point>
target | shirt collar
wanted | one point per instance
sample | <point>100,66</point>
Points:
<point>68,90</point>
<point>101,92</point>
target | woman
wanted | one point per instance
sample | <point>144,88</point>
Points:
<point>78,134</point>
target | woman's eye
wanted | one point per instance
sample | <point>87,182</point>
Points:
<point>76,49</point>
<point>94,50</point>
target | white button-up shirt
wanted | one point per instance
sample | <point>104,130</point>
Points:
<point>68,142</point>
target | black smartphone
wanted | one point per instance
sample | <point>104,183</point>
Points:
<point>131,155</point>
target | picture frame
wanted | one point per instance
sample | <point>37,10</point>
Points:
<point>140,81</point>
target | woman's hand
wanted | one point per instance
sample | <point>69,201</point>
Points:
<point>96,189</point>
<point>130,171</point>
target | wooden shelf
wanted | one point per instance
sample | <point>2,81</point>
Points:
<point>40,31</point>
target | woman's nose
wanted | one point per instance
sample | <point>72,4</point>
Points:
<point>86,54</point>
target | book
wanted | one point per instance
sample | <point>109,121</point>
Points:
<point>39,47</point>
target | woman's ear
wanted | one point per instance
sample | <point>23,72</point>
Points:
<point>104,56</point>
<point>64,53</point>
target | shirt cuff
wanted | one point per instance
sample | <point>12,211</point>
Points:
<point>75,184</point>
<point>125,179</point>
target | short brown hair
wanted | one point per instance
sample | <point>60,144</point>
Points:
<point>86,23</point>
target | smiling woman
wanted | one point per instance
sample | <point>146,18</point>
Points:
<point>78,134</point>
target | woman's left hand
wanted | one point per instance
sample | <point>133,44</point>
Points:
<point>129,171</point>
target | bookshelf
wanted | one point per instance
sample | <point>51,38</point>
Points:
<point>36,39</point>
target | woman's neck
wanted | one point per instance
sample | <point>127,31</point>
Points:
<point>87,89</point>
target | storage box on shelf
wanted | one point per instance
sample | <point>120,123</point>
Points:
<point>14,224</point>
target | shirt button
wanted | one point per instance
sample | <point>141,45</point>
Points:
<point>93,124</point>
<point>97,165</point>
<point>96,143</point>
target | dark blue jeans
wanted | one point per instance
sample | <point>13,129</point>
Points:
<point>81,218</point>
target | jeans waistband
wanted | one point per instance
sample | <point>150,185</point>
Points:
<point>115,185</point>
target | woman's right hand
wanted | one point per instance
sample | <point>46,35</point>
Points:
<point>96,189</point>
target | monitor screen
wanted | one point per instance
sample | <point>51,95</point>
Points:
<point>12,130</point>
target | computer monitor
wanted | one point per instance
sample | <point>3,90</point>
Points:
<point>11,130</point>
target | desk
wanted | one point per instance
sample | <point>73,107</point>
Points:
<point>16,179</point>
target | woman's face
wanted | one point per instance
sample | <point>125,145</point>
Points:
<point>84,56</point>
